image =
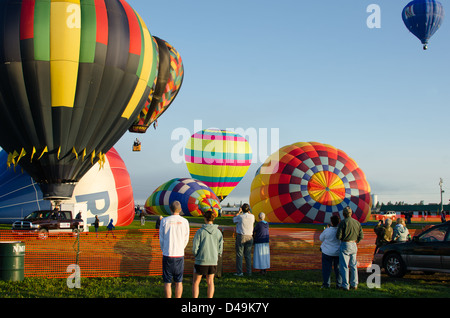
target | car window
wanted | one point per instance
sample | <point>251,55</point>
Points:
<point>434,235</point>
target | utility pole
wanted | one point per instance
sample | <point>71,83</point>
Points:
<point>442,191</point>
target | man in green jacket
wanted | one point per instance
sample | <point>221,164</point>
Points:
<point>207,246</point>
<point>350,233</point>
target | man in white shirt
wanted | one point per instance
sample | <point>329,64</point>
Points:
<point>245,221</point>
<point>173,239</point>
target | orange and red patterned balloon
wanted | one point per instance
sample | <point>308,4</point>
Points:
<point>166,86</point>
<point>308,182</point>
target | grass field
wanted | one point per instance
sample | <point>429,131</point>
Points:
<point>283,284</point>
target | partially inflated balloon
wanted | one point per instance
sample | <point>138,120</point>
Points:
<point>195,198</point>
<point>219,158</point>
<point>168,84</point>
<point>107,192</point>
<point>73,78</point>
<point>423,18</point>
<point>308,183</point>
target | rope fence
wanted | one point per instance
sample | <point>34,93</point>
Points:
<point>137,252</point>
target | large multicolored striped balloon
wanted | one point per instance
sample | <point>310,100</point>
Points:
<point>168,84</point>
<point>308,182</point>
<point>195,198</point>
<point>219,158</point>
<point>74,77</point>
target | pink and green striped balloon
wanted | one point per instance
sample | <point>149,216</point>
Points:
<point>219,158</point>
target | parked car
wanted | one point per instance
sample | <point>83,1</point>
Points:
<point>429,252</point>
<point>387,215</point>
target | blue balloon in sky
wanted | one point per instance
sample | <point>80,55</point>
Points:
<point>423,18</point>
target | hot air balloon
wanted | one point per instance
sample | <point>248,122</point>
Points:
<point>195,198</point>
<point>219,158</point>
<point>168,83</point>
<point>308,182</point>
<point>107,192</point>
<point>73,78</point>
<point>423,18</point>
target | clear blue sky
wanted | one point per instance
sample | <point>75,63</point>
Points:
<point>313,70</point>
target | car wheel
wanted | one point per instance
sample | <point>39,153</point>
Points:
<point>394,266</point>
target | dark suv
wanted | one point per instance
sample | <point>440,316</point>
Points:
<point>48,221</point>
<point>428,252</point>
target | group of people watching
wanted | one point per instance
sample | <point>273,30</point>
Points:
<point>248,235</point>
<point>339,250</point>
<point>207,247</point>
<point>387,234</point>
<point>339,247</point>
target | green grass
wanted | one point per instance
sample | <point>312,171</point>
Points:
<point>283,284</point>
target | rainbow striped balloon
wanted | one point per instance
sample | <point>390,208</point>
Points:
<point>219,158</point>
<point>194,196</point>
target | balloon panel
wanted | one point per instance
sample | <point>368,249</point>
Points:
<point>218,158</point>
<point>195,198</point>
<point>106,191</point>
<point>309,182</point>
<point>73,77</point>
<point>168,84</point>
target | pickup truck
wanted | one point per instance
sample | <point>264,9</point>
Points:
<point>48,221</point>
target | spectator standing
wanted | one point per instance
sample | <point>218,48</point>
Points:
<point>330,253</point>
<point>384,233</point>
<point>96,225</point>
<point>173,239</point>
<point>158,222</point>
<point>443,220</point>
<point>207,246</point>
<point>245,221</point>
<point>261,253</point>
<point>400,232</point>
<point>110,228</point>
<point>350,233</point>
<point>142,216</point>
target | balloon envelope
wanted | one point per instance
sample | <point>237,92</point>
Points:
<point>219,158</point>
<point>423,18</point>
<point>168,84</point>
<point>107,192</point>
<point>195,198</point>
<point>308,183</point>
<point>73,78</point>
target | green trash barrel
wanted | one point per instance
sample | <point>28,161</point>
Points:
<point>12,260</point>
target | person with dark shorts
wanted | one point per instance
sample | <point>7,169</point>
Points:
<point>206,247</point>
<point>173,268</point>
<point>173,239</point>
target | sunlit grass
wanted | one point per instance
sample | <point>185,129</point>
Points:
<point>282,284</point>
